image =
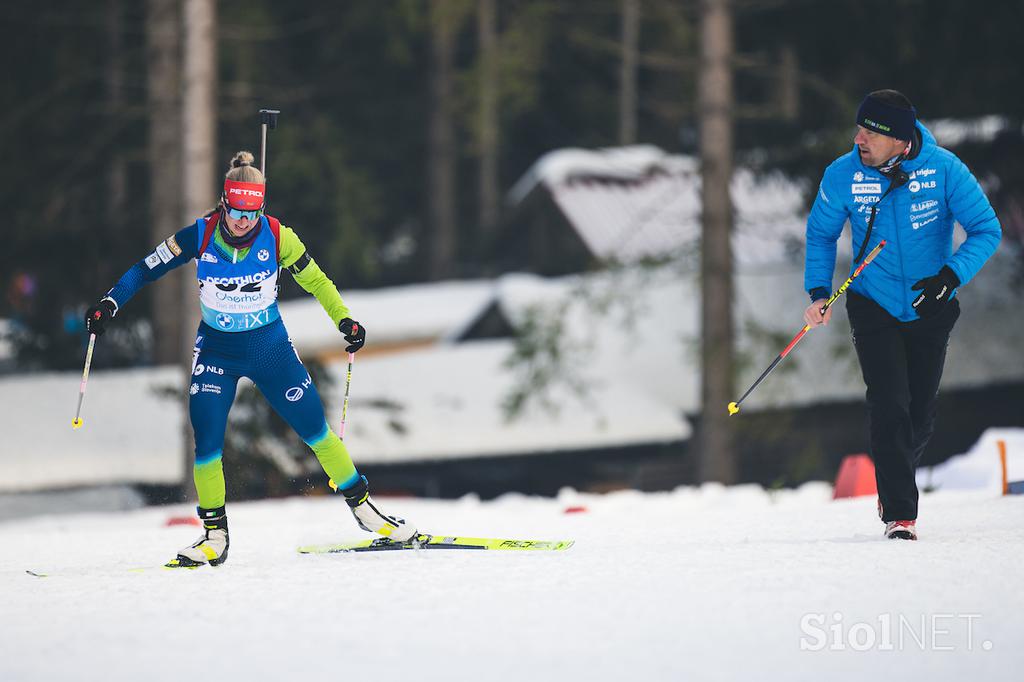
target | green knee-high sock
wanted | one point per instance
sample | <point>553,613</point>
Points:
<point>209,477</point>
<point>334,458</point>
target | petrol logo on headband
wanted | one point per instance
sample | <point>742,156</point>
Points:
<point>245,192</point>
<point>246,196</point>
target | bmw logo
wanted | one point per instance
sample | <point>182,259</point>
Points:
<point>225,321</point>
<point>263,255</point>
<point>293,394</point>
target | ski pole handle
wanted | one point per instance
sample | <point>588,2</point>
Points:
<point>77,421</point>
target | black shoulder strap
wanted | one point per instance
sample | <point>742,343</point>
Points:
<point>897,179</point>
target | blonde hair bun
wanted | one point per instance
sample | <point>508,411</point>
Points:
<point>243,158</point>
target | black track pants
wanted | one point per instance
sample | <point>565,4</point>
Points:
<point>902,365</point>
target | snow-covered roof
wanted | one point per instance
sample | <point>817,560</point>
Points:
<point>950,132</point>
<point>445,403</point>
<point>392,315</point>
<point>636,202</point>
<point>130,434</point>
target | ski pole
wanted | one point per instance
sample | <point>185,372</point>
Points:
<point>77,421</point>
<point>734,407</point>
<point>344,405</point>
<point>348,384</point>
<point>268,118</point>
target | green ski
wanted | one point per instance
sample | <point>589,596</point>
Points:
<point>424,541</point>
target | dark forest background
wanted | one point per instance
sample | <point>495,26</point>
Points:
<point>350,165</point>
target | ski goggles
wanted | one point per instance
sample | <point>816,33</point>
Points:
<point>238,213</point>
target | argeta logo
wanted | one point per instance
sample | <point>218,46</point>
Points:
<point>198,370</point>
<point>263,255</point>
<point>225,321</point>
<point>293,394</point>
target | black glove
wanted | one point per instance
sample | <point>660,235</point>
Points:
<point>354,332</point>
<point>96,317</point>
<point>936,292</point>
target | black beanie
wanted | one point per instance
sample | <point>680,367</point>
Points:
<point>887,119</point>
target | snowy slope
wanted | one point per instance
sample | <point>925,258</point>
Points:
<point>701,584</point>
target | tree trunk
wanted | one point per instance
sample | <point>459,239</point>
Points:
<point>442,142</point>
<point>199,180</point>
<point>715,101</point>
<point>487,30</point>
<point>163,54</point>
<point>628,71</point>
<point>117,169</point>
<point>789,86</point>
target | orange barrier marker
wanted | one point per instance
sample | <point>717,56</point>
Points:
<point>856,477</point>
<point>1001,444</point>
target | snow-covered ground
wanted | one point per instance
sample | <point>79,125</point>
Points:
<point>698,584</point>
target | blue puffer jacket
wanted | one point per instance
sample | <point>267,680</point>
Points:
<point>916,220</point>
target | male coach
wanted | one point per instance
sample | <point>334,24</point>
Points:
<point>897,184</point>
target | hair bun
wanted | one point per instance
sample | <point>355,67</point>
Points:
<point>243,158</point>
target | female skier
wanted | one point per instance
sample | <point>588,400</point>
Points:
<point>239,251</point>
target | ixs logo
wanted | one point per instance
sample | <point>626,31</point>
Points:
<point>246,192</point>
<point>866,188</point>
<point>923,205</point>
